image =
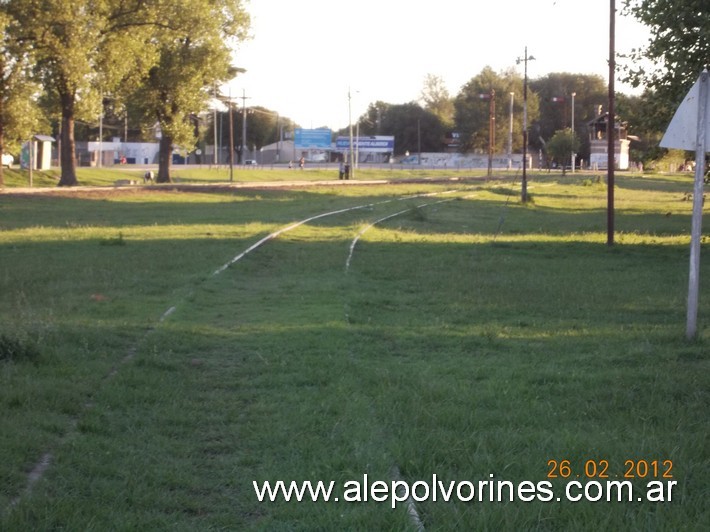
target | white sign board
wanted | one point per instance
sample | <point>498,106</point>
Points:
<point>682,131</point>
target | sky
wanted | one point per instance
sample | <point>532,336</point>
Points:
<point>306,56</point>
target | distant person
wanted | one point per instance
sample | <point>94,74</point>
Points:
<point>341,169</point>
<point>301,163</point>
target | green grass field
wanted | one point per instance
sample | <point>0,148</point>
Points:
<point>205,174</point>
<point>148,379</point>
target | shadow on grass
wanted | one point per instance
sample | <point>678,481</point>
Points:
<point>453,358</point>
<point>284,206</point>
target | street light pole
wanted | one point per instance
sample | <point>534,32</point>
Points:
<point>574,155</point>
<point>350,122</point>
<point>244,124</point>
<point>278,142</point>
<point>216,163</point>
<point>99,162</point>
<point>525,59</point>
<point>231,138</point>
<point>524,187</point>
<point>491,131</point>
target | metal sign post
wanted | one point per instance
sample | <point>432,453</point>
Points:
<point>688,131</point>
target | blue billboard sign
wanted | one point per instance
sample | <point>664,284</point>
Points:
<point>309,139</point>
<point>374,144</point>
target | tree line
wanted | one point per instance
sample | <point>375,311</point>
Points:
<point>551,107</point>
<point>151,61</point>
<point>666,66</point>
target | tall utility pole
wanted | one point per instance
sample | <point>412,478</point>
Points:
<point>510,132</point>
<point>99,161</point>
<point>491,131</point>
<point>244,124</point>
<point>350,122</point>
<point>610,128</point>
<point>231,139</point>
<point>525,59</point>
<point>279,134</point>
<point>574,155</point>
<point>491,97</point>
<point>214,120</point>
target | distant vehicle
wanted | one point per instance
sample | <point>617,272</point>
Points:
<point>250,162</point>
<point>7,160</point>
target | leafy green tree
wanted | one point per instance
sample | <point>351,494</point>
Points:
<point>19,112</point>
<point>437,100</point>
<point>411,125</point>
<point>194,55</point>
<point>640,114</point>
<point>473,112</point>
<point>83,49</point>
<point>676,53</point>
<point>555,93</point>
<point>561,146</point>
<point>262,126</point>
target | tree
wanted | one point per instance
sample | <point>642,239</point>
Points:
<point>472,112</point>
<point>19,112</point>
<point>437,100</point>
<point>676,53</point>
<point>554,91</point>
<point>641,115</point>
<point>411,125</point>
<point>262,127</point>
<point>194,55</point>
<point>84,48</point>
<point>561,146</point>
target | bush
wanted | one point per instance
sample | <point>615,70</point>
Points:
<point>13,350</point>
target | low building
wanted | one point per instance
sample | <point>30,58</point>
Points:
<point>40,154</point>
<point>599,144</point>
<point>116,152</point>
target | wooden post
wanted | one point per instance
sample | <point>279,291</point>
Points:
<point>610,128</point>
